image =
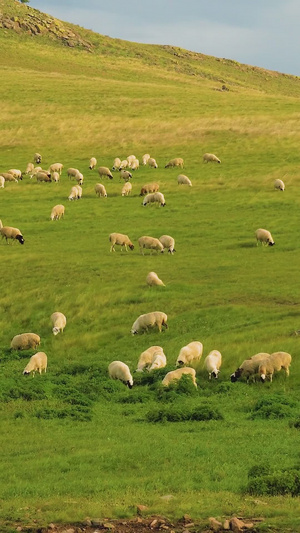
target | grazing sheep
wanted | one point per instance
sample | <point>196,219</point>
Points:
<point>175,375</point>
<point>264,236</point>
<point>130,159</point>
<point>152,163</point>
<point>149,187</point>
<point>118,370</point>
<point>159,361</point>
<point>59,322</point>
<point>25,341</point>
<point>153,279</point>
<point>125,175</point>
<point>123,164</point>
<point>154,197</point>
<point>150,243</point>
<point>149,320</point>
<point>212,363</point>
<point>274,363</point>
<point>116,164</point>
<point>177,162</point>
<point>57,212</point>
<point>74,193</point>
<point>104,171</point>
<point>8,232</point>
<point>126,189</point>
<point>100,190</point>
<point>35,171</point>
<point>56,167</point>
<point>135,165</point>
<point>249,367</point>
<point>93,163</point>
<point>73,172</point>
<point>278,184</point>
<point>8,177</point>
<point>211,158</point>
<point>15,173</point>
<point>2,182</point>
<point>121,240</point>
<point>145,159</point>
<point>43,176</point>
<point>79,178</point>
<point>37,158</point>
<point>37,363</point>
<point>168,242</point>
<point>55,177</point>
<point>146,358</point>
<point>190,354</point>
<point>29,168</point>
<point>79,194</point>
<point>183,180</point>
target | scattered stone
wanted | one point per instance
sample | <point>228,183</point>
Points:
<point>248,525</point>
<point>51,526</point>
<point>96,522</point>
<point>153,523</point>
<point>190,524</point>
<point>87,522</point>
<point>139,520</point>
<point>186,518</point>
<point>236,525</point>
<point>226,525</point>
<point>164,527</point>
<point>141,508</point>
<point>214,524</point>
<point>19,528</point>
<point>108,525</point>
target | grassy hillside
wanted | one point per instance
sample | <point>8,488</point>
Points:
<point>75,443</point>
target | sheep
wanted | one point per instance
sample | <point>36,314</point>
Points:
<point>2,182</point>
<point>159,361</point>
<point>57,212</point>
<point>8,232</point>
<point>126,189</point>
<point>15,173</point>
<point>183,180</point>
<point>43,176</point>
<point>73,172</point>
<point>38,362</point>
<point>56,167</point>
<point>249,367</point>
<point>135,165</point>
<point>146,358</point>
<point>73,194</point>
<point>274,363</point>
<point>154,197</point>
<point>211,158</point>
<point>104,171</point>
<point>152,163</point>
<point>29,168</point>
<point>149,187</point>
<point>59,322</point>
<point>145,159</point>
<point>175,375</point>
<point>150,243</point>
<point>37,158</point>
<point>35,171</point>
<point>93,163</point>
<point>278,184</point>
<point>264,236</point>
<point>168,242</point>
<point>177,162</point>
<point>212,363</point>
<point>8,177</point>
<point>143,322</point>
<point>100,190</point>
<point>116,163</point>
<point>25,341</point>
<point>123,164</point>
<point>79,178</point>
<point>121,240</point>
<point>130,159</point>
<point>79,189</point>
<point>119,370</point>
<point>55,177</point>
<point>125,175</point>
<point>190,354</point>
<point>153,279</point>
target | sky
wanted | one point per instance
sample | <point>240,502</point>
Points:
<point>263,33</point>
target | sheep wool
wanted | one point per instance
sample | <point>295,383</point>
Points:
<point>55,177</point>
<point>190,354</point>
<point>150,243</point>
<point>14,234</point>
<point>159,360</point>
<point>73,172</point>
<point>120,240</point>
<point>119,370</point>
<point>152,162</point>
<point>152,279</point>
<point>29,168</point>
<point>168,243</point>
<point>116,163</point>
<point>183,180</point>
<point>264,236</point>
<point>145,159</point>
<point>43,175</point>
<point>154,197</point>
<point>2,182</point>
<point>93,163</point>
<point>126,189</point>
<point>73,194</point>
<point>211,158</point>
<point>150,320</point>
<point>25,341</point>
<point>279,185</point>
<point>57,212</point>
<point>100,190</point>
<point>58,322</point>
<point>175,375</point>
<point>146,358</point>
<point>130,159</point>
<point>8,177</point>
<point>125,175</point>
<point>249,367</point>
<point>56,167</point>
<point>135,165</point>
<point>37,363</point>
<point>37,158</point>
<point>177,162</point>
<point>105,172</point>
<point>274,363</point>
<point>149,187</point>
<point>15,173</point>
<point>212,363</point>
<point>123,164</point>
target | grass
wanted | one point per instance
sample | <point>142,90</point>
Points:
<point>75,443</point>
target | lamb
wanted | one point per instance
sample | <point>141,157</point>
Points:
<point>264,236</point>
<point>15,173</point>
<point>8,232</point>
<point>116,164</point>
<point>119,370</point>
<point>177,162</point>
<point>175,375</point>
<point>100,190</point>
<point>143,322</point>
<point>25,341</point>
<point>149,187</point>
<point>57,212</point>
<point>211,158</point>
<point>153,279</point>
<point>190,354</point>
<point>8,177</point>
<point>38,362</point>
<point>168,242</point>
<point>152,163</point>
<point>37,158</point>
<point>150,243</point>
<point>274,363</point>
<point>249,367</point>
<point>55,177</point>
<point>93,163</point>
<point>145,159</point>
<point>125,175</point>
<point>126,189</point>
<point>278,184</point>
<point>130,159</point>
<point>29,168</point>
<point>104,171</point>
<point>73,172</point>
<point>123,164</point>
<point>56,167</point>
<point>121,240</point>
<point>2,182</point>
<point>42,175</point>
<point>146,358</point>
<point>212,363</point>
<point>154,197</point>
<point>135,165</point>
<point>59,322</point>
<point>183,180</point>
<point>73,194</point>
<point>79,193</point>
<point>159,361</point>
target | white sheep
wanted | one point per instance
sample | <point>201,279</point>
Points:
<point>150,243</point>
<point>2,182</point>
<point>152,162</point>
<point>135,165</point>
<point>175,375</point>
<point>212,363</point>
<point>145,159</point>
<point>35,171</point>
<point>153,279</point>
<point>56,167</point>
<point>37,363</point>
<point>159,361</point>
<point>149,320</point>
<point>8,232</point>
<point>154,197</point>
<point>264,236</point>
<point>168,242</point>
<point>274,363</point>
<point>74,193</point>
<point>25,341</point>
<point>146,357</point>
<point>43,175</point>
<point>37,158</point>
<point>15,173</point>
<point>125,175</point>
<point>123,164</point>
<point>130,159</point>
<point>116,163</point>
<point>93,163</point>
<point>211,158</point>
<point>149,187</point>
<point>249,367</point>
<point>57,212</point>
<point>100,190</point>
<point>119,370</point>
<point>104,171</point>
<point>120,240</point>
<point>73,172</point>
<point>190,354</point>
<point>278,184</point>
<point>177,162</point>
<point>55,177</point>
<point>29,168</point>
<point>58,322</point>
<point>126,189</point>
<point>8,177</point>
<point>183,180</point>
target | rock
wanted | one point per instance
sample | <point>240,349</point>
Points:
<point>153,523</point>
<point>248,525</point>
<point>51,526</point>
<point>141,508</point>
<point>236,525</point>
<point>226,525</point>
<point>108,525</point>
<point>186,518</point>
<point>87,522</point>
<point>214,524</point>
<point>96,522</point>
